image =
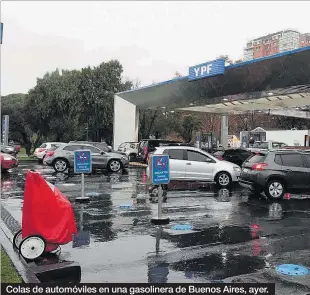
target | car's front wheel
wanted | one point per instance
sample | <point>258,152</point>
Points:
<point>223,179</point>
<point>114,166</point>
<point>275,189</point>
<point>60,165</point>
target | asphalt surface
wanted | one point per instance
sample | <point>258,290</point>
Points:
<point>236,236</point>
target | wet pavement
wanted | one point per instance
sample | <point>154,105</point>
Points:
<point>234,233</point>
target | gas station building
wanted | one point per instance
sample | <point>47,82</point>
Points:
<point>278,84</point>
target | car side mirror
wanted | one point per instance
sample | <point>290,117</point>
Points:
<point>102,153</point>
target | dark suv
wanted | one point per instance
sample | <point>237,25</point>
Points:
<point>147,146</point>
<point>236,156</point>
<point>277,172</point>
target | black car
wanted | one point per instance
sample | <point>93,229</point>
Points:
<point>147,146</point>
<point>277,172</point>
<point>236,156</point>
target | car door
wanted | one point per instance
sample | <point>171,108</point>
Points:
<point>177,163</point>
<point>295,171</point>
<point>199,166</point>
<point>98,160</point>
<point>68,152</point>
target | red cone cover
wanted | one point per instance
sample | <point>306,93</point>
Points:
<point>46,211</point>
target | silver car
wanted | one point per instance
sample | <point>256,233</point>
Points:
<point>193,164</point>
<point>130,148</point>
<point>63,158</point>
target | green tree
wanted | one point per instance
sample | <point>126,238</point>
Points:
<point>65,106</point>
<point>19,127</point>
<point>184,125</point>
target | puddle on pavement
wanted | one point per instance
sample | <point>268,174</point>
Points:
<point>218,266</point>
<point>106,232</point>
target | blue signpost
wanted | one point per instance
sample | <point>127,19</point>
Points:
<point>160,169</point>
<point>160,175</point>
<point>82,161</point>
<point>1,32</point>
<point>82,165</point>
<point>208,69</point>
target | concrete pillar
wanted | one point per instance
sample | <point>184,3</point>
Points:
<point>224,130</point>
<point>126,122</point>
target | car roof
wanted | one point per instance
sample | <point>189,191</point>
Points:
<point>75,143</point>
<point>178,147</point>
<point>289,151</point>
<point>130,142</point>
<point>167,140</point>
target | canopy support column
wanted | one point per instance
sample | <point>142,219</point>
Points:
<point>126,122</point>
<point>224,130</point>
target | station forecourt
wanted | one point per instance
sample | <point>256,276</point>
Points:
<point>278,84</point>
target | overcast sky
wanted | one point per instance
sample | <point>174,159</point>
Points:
<point>152,40</point>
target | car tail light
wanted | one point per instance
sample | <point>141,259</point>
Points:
<point>49,154</point>
<point>145,150</point>
<point>220,158</point>
<point>259,166</point>
<point>41,150</point>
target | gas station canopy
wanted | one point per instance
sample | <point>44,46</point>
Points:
<point>273,82</point>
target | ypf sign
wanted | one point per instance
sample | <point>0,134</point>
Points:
<point>208,69</point>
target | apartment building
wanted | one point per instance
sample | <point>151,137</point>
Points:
<point>304,40</point>
<point>275,43</point>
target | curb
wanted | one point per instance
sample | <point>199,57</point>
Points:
<point>27,275</point>
<point>137,164</point>
<point>30,272</point>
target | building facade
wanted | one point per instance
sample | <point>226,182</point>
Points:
<point>275,43</point>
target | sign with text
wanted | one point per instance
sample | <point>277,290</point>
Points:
<point>208,69</point>
<point>5,130</point>
<point>1,32</point>
<point>136,289</point>
<point>82,161</point>
<point>160,169</point>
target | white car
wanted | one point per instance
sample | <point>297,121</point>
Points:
<point>40,152</point>
<point>130,148</point>
<point>193,164</point>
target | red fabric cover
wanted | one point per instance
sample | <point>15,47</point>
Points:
<point>46,211</point>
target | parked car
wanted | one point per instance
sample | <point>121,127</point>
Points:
<point>277,172</point>
<point>16,145</point>
<point>267,145</point>
<point>7,162</point>
<point>7,149</point>
<point>100,145</point>
<point>63,158</point>
<point>147,146</point>
<point>40,152</point>
<point>130,149</point>
<point>193,164</point>
<point>234,155</point>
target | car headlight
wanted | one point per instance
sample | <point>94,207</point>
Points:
<point>124,158</point>
<point>237,169</point>
<point>7,158</point>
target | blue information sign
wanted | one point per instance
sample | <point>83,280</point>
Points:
<point>82,161</point>
<point>160,169</point>
<point>208,69</point>
<point>1,32</point>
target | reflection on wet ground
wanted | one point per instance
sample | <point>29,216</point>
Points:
<point>233,233</point>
